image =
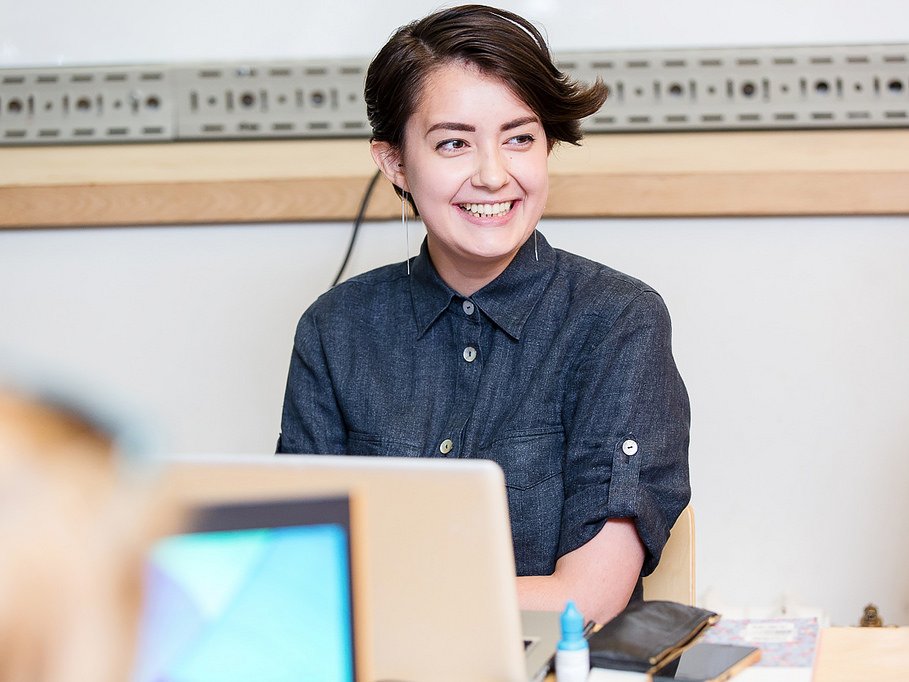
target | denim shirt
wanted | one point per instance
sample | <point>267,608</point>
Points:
<point>560,370</point>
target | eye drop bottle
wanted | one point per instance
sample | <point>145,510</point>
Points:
<point>573,653</point>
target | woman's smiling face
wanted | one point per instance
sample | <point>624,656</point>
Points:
<point>475,160</point>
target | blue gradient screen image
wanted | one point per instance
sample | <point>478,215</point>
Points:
<point>260,604</point>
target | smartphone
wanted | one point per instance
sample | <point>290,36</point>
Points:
<point>708,663</point>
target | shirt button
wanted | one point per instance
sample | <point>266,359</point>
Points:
<point>446,446</point>
<point>468,307</point>
<point>630,447</point>
<point>470,353</point>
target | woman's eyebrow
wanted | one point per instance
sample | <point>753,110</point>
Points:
<point>467,128</point>
<point>448,125</point>
<point>518,122</point>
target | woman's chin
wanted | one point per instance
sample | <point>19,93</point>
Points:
<point>494,244</point>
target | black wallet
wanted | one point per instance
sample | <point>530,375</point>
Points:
<point>648,634</point>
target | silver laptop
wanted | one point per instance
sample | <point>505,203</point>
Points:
<point>433,560</point>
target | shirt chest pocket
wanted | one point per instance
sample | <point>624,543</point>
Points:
<point>527,457</point>
<point>532,462</point>
<point>368,444</point>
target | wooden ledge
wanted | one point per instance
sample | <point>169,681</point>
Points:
<point>627,175</point>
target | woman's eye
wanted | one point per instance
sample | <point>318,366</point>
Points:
<point>521,139</point>
<point>451,145</point>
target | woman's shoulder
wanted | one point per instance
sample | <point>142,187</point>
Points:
<point>377,289</point>
<point>598,284</point>
<point>601,300</point>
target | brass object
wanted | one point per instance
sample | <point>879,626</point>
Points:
<point>871,618</point>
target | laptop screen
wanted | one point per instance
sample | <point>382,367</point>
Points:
<point>251,591</point>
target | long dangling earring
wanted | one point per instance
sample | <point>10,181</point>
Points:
<point>404,222</point>
<point>535,252</point>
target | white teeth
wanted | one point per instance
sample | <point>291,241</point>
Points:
<point>484,210</point>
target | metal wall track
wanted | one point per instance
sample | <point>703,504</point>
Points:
<point>797,87</point>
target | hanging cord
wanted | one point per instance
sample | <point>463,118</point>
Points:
<point>356,226</point>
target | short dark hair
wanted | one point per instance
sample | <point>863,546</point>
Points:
<point>498,43</point>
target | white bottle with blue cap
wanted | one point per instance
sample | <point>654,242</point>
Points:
<point>573,652</point>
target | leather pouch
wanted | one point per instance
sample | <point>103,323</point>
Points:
<point>648,634</point>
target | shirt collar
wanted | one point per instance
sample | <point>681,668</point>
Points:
<point>429,293</point>
<point>508,300</point>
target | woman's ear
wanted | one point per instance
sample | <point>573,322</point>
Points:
<point>390,161</point>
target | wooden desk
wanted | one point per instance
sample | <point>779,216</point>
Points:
<point>863,655</point>
<point>851,655</point>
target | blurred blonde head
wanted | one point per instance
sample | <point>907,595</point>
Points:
<point>73,533</point>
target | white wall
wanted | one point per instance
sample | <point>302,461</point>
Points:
<point>119,31</point>
<point>790,333</point>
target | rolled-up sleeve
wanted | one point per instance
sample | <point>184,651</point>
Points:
<point>627,421</point>
<point>311,421</point>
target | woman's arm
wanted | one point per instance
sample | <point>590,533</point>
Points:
<point>625,471</point>
<point>599,575</point>
<point>310,421</point>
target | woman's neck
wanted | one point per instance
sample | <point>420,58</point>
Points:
<point>467,276</point>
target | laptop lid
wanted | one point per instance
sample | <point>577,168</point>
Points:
<point>438,588</point>
<point>251,590</point>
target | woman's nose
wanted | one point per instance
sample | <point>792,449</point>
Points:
<point>491,172</point>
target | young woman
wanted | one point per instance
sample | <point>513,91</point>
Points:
<point>490,343</point>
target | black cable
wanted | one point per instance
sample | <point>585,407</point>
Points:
<point>356,226</point>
